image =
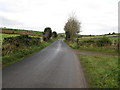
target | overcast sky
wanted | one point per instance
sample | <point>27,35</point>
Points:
<point>96,16</point>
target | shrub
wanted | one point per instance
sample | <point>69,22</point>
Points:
<point>103,42</point>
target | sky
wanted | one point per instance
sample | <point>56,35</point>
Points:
<point>96,16</point>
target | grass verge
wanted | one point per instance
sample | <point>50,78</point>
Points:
<point>101,72</point>
<point>22,53</point>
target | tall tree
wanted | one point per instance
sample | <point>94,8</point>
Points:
<point>54,34</point>
<point>47,33</point>
<point>72,28</point>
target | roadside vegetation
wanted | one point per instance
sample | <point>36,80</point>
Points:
<point>100,72</point>
<point>15,47</point>
<point>103,44</point>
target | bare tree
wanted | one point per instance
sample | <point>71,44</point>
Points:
<point>72,28</point>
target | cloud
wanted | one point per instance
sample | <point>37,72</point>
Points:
<point>97,16</point>
<point>9,22</point>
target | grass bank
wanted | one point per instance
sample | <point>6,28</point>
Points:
<point>12,53</point>
<point>101,72</point>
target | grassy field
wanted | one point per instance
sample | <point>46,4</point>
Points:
<point>101,72</point>
<point>2,36</point>
<point>11,35</point>
<point>93,37</point>
<point>20,31</point>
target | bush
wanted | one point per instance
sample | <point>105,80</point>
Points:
<point>103,42</point>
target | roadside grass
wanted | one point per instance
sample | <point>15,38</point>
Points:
<point>20,54</point>
<point>101,72</point>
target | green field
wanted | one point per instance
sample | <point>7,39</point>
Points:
<point>2,36</point>
<point>23,30</point>
<point>93,38</point>
<point>101,72</point>
<point>11,35</point>
<point>8,35</point>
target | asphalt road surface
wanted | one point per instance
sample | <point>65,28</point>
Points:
<point>56,66</point>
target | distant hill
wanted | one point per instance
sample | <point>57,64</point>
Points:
<point>20,31</point>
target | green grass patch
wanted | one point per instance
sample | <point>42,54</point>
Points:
<point>9,35</point>
<point>101,72</point>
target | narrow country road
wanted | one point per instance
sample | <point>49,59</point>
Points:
<point>56,66</point>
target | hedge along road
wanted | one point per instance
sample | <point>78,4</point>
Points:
<point>56,66</point>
